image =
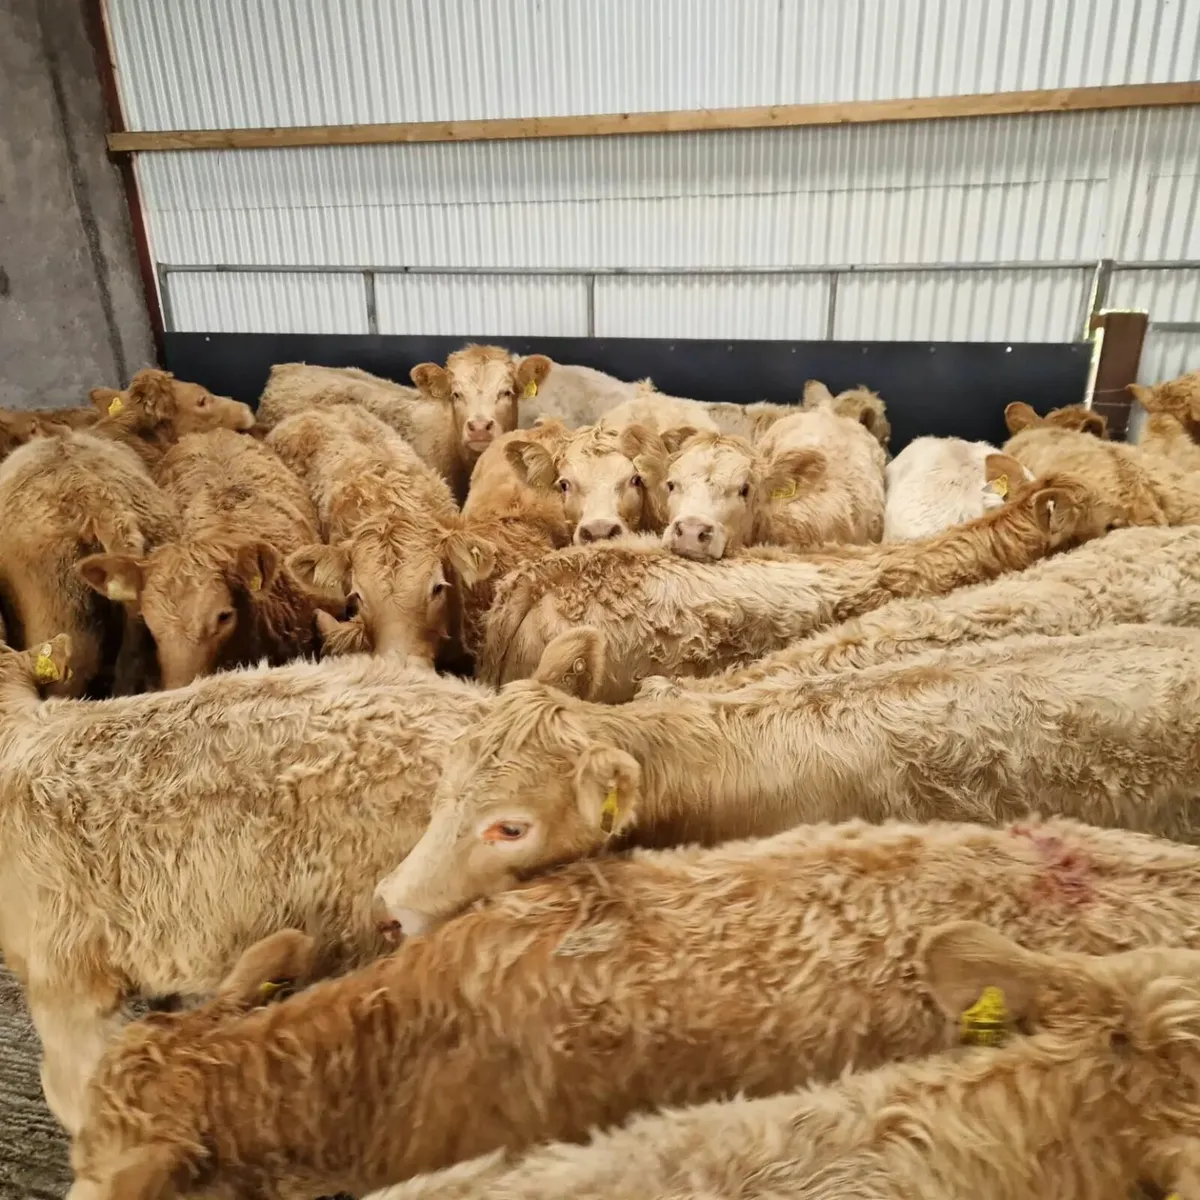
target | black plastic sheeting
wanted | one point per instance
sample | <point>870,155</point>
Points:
<point>944,389</point>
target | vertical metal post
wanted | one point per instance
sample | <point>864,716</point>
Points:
<point>163,277</point>
<point>1098,297</point>
<point>591,306</point>
<point>831,306</point>
<point>372,310</point>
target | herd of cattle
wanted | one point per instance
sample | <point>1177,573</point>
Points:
<point>616,795</point>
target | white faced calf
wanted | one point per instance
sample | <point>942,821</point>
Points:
<point>485,384</point>
<point>720,490</point>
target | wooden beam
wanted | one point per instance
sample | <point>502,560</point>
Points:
<point>859,112</point>
<point>1120,357</point>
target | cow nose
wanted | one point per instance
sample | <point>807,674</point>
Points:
<point>480,428</point>
<point>385,921</point>
<point>599,531</point>
<point>694,537</point>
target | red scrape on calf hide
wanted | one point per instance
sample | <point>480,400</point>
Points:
<point>1067,869</point>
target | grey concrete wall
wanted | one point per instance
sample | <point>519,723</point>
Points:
<point>72,309</point>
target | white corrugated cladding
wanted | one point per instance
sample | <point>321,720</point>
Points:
<point>1023,190</point>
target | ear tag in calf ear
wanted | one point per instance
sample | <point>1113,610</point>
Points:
<point>44,668</point>
<point>785,493</point>
<point>117,405</point>
<point>119,592</point>
<point>530,390</point>
<point>270,989</point>
<point>999,485</point>
<point>256,582</point>
<point>608,812</point>
<point>986,1022</point>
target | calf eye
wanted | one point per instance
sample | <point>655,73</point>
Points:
<point>202,402</point>
<point>225,616</point>
<point>744,490</point>
<point>670,486</point>
<point>506,831</point>
<point>439,589</point>
<point>563,486</point>
<point>353,604</point>
<point>636,481</point>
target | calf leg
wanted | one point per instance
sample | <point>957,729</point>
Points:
<point>75,1028</point>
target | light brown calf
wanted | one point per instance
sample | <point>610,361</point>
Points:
<point>1145,488</point>
<point>1148,575</point>
<point>1178,398</point>
<point>1098,1103</point>
<point>146,841</point>
<point>609,988</point>
<point>430,428</point>
<point>1104,727</point>
<point>660,614</point>
<point>63,498</point>
<point>219,596</point>
<point>483,386</point>
<point>157,409</point>
<point>397,551</point>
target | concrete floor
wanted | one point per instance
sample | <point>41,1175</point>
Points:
<point>33,1150</point>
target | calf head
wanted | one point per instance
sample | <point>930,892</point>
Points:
<point>18,427</point>
<point>525,789</point>
<point>611,481</point>
<point>339,637</point>
<point>156,403</point>
<point>403,586</point>
<point>1131,1020</point>
<point>1075,417</point>
<point>485,384</point>
<point>1178,398</point>
<point>719,490</point>
<point>198,599</point>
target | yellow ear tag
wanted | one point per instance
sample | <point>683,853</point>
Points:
<point>120,592</point>
<point>530,390</point>
<point>45,670</point>
<point>608,812</point>
<point>999,485</point>
<point>255,582</point>
<point>785,493</point>
<point>986,1022</point>
<point>116,406</point>
<point>270,989</point>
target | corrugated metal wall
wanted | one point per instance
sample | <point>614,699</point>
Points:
<point>1023,192</point>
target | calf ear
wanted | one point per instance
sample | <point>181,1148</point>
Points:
<point>1143,395</point>
<point>791,468</point>
<point>1019,415</point>
<point>472,559</point>
<point>255,564</point>
<point>288,956</point>
<point>607,787</point>
<point>432,380</point>
<point>532,463</point>
<point>963,958</point>
<point>322,570</point>
<point>531,373</point>
<point>152,391</point>
<point>119,577</point>
<point>674,438</point>
<point>816,394</point>
<point>574,662</point>
<point>1094,423</point>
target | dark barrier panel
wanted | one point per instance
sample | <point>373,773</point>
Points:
<point>948,389</point>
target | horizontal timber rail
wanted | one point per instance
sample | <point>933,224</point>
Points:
<point>777,116</point>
